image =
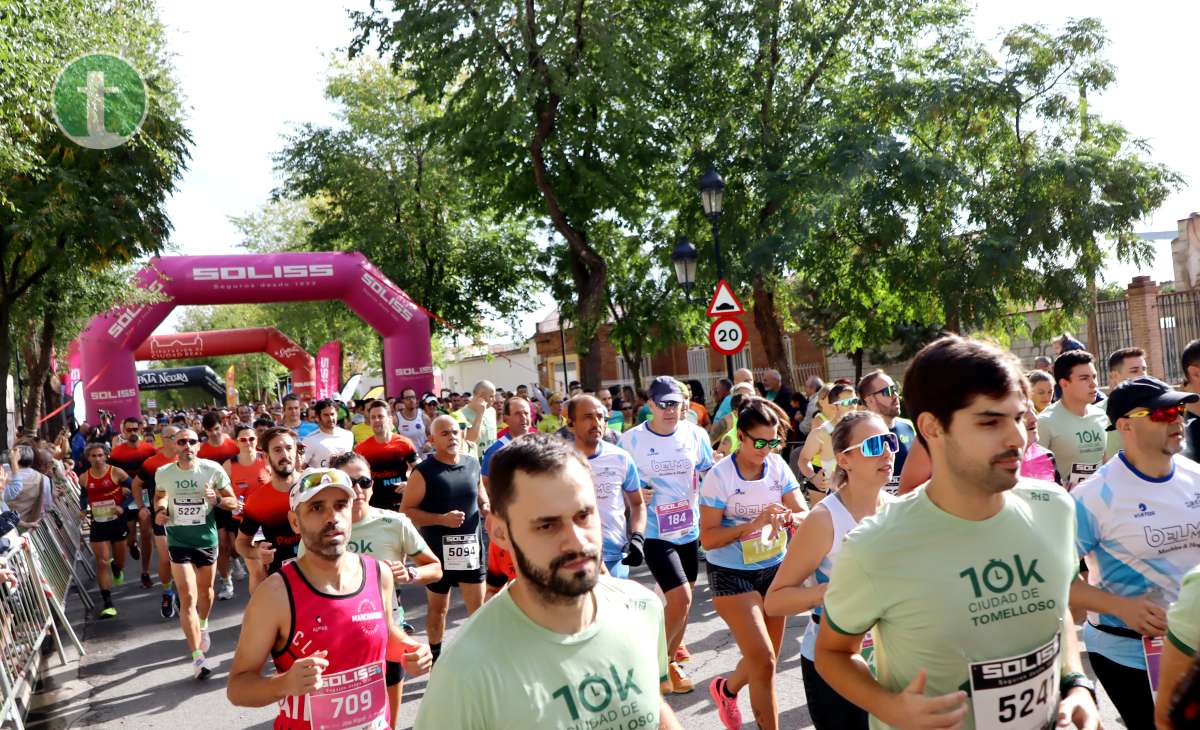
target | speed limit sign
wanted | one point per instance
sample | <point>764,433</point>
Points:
<point>727,336</point>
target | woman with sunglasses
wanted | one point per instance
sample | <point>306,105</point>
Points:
<point>747,503</point>
<point>392,539</point>
<point>247,471</point>
<point>819,444</point>
<point>865,452</point>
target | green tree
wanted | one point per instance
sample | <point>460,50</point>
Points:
<point>554,110</point>
<point>378,184</point>
<point>69,214</point>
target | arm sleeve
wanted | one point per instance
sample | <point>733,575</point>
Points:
<point>712,491</point>
<point>411,541</point>
<point>852,602</point>
<point>1183,617</point>
<point>1087,527</point>
<point>632,482</point>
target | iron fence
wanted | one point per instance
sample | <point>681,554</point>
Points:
<point>1179,323</point>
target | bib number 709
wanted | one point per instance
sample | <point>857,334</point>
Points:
<point>351,704</point>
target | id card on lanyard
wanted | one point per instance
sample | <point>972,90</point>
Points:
<point>1019,692</point>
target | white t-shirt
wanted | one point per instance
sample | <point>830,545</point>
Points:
<point>320,447</point>
<point>613,473</point>
<point>671,466</point>
<point>1138,535</point>
<point>414,429</point>
<point>741,499</point>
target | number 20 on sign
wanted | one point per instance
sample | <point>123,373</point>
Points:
<point>727,336</point>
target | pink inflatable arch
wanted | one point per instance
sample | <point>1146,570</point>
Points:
<point>108,343</point>
<point>182,345</point>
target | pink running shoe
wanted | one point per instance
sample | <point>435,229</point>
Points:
<point>727,707</point>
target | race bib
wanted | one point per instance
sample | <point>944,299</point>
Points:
<point>757,547</point>
<point>1152,647</point>
<point>460,552</point>
<point>893,486</point>
<point>1079,472</point>
<point>675,518</point>
<point>190,511</point>
<point>104,511</point>
<point>355,699</point>
<point>1019,692</point>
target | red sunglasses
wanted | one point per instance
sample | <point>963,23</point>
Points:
<point>1166,414</point>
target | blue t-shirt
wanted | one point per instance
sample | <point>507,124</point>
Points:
<point>903,428</point>
<point>1137,535</point>
<point>671,466</point>
<point>306,428</point>
<point>741,500</point>
<point>498,444</point>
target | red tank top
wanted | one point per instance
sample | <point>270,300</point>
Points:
<point>353,630</point>
<point>104,494</point>
<point>246,479</point>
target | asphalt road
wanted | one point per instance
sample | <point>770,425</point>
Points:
<point>137,672</point>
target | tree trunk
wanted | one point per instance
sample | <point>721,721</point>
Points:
<point>766,321</point>
<point>858,364</point>
<point>5,369</point>
<point>38,366</point>
<point>633,361</point>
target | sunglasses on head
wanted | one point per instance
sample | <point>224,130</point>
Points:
<point>891,391</point>
<point>187,442</point>
<point>761,443</point>
<point>873,446</point>
<point>847,402</point>
<point>1166,414</point>
<point>323,477</point>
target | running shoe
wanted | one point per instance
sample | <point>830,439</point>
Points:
<point>168,605</point>
<point>203,667</point>
<point>146,582</point>
<point>408,628</point>
<point>134,552</point>
<point>678,680</point>
<point>225,592</point>
<point>239,569</point>
<point>108,612</point>
<point>205,640</point>
<point>727,707</point>
<point>682,654</point>
<point>118,577</point>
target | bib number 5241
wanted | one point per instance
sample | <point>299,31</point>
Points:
<point>1017,692</point>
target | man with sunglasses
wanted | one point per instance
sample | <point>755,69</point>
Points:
<point>128,454</point>
<point>671,455</point>
<point>880,394</point>
<point>1134,521</point>
<point>411,423</point>
<point>1074,427</point>
<point>185,496</point>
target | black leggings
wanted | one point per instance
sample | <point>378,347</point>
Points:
<point>1129,690</point>
<point>828,709</point>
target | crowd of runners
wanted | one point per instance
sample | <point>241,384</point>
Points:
<point>946,557</point>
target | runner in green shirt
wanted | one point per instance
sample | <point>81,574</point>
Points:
<point>964,582</point>
<point>1074,429</point>
<point>1179,649</point>
<point>560,647</point>
<point>185,494</point>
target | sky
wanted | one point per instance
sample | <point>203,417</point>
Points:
<point>250,74</point>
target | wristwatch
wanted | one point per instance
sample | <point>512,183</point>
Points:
<point>1073,680</point>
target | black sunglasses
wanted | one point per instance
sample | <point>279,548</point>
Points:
<point>187,442</point>
<point>364,482</point>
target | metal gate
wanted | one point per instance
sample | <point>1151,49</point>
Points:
<point>1179,323</point>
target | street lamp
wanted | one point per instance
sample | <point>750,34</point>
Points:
<point>712,197</point>
<point>684,257</point>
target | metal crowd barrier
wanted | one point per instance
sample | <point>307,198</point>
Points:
<point>45,566</point>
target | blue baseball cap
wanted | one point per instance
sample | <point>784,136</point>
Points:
<point>665,389</point>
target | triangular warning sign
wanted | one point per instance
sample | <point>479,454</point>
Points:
<point>724,303</point>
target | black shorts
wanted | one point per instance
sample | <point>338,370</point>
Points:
<point>131,511</point>
<point>451,578</point>
<point>733,582</point>
<point>393,673</point>
<point>672,565</point>
<point>199,557</point>
<point>111,531</point>
<point>225,520</point>
<point>159,530</point>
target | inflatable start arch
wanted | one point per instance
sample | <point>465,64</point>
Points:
<point>108,343</point>
<point>183,345</point>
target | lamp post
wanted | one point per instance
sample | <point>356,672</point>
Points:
<point>684,257</point>
<point>712,197</point>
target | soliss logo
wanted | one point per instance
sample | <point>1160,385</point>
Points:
<point>389,297</point>
<point>251,273</point>
<point>113,395</point>
<point>125,318</point>
<point>415,371</point>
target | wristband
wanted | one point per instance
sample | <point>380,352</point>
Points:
<point>1073,680</point>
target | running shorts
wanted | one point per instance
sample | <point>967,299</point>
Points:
<point>131,511</point>
<point>393,673</point>
<point>199,557</point>
<point>111,531</point>
<point>672,565</point>
<point>731,582</point>
<point>225,520</point>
